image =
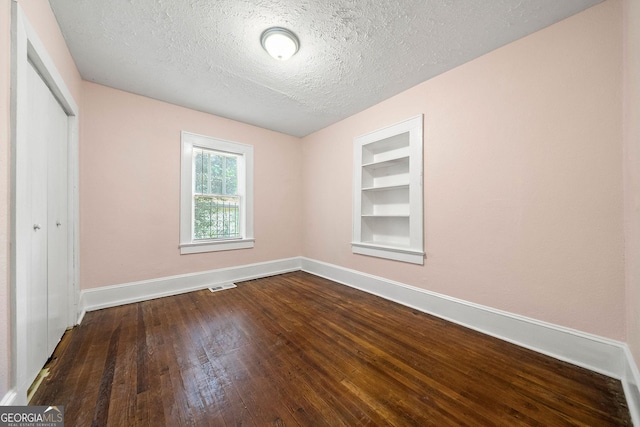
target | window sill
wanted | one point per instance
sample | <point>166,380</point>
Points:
<point>214,246</point>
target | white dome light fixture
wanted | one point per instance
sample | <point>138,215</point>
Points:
<point>280,43</point>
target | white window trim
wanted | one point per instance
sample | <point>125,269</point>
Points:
<point>245,179</point>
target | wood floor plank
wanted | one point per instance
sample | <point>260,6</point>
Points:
<point>300,350</point>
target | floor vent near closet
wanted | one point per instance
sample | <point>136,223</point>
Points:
<point>222,287</point>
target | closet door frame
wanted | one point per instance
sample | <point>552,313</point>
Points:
<point>26,47</point>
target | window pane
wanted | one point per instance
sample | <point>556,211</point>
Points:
<point>216,163</point>
<point>231,176</point>
<point>198,160</point>
<point>216,217</point>
<point>215,173</point>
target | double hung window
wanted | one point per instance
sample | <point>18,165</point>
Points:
<point>216,195</point>
<point>216,203</point>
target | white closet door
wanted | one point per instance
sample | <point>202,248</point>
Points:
<point>57,255</point>
<point>47,285</point>
<point>37,323</point>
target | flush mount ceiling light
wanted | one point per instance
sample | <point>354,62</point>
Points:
<point>280,43</point>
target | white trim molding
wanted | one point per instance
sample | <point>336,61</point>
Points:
<point>589,351</point>
<point>389,252</point>
<point>598,354</point>
<point>127,293</point>
<point>609,357</point>
<point>9,399</point>
<point>630,381</point>
<point>387,192</point>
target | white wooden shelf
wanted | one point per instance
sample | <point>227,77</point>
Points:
<point>387,163</point>
<point>394,252</point>
<point>387,187</point>
<point>387,214</point>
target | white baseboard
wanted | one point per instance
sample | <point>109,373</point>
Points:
<point>592,352</point>
<point>111,296</point>
<point>9,399</point>
<point>602,355</point>
<point>630,381</point>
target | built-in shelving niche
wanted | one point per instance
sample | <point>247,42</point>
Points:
<point>387,197</point>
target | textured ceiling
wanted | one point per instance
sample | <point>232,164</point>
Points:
<point>206,54</point>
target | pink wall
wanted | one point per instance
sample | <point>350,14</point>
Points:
<point>632,170</point>
<point>523,197</point>
<point>44,23</point>
<point>130,183</point>
<point>5,72</point>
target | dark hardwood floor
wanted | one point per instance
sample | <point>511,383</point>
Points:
<point>296,349</point>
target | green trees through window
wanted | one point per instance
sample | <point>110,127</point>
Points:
<point>216,200</point>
